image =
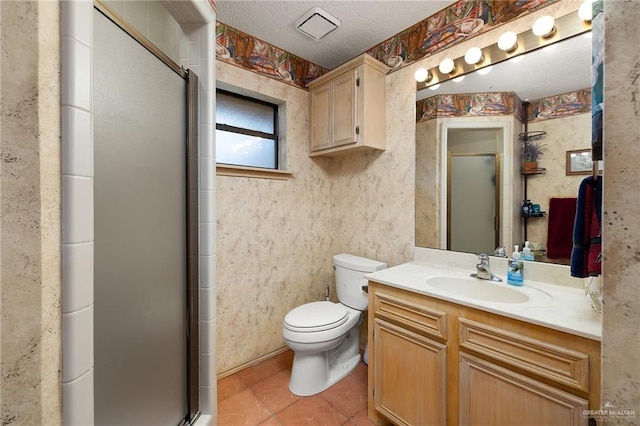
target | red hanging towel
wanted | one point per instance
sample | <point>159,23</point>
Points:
<point>562,212</point>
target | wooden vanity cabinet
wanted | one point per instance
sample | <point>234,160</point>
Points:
<point>432,362</point>
<point>347,108</point>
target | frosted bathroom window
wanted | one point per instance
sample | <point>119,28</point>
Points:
<point>246,131</point>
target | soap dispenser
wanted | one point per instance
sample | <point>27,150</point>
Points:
<point>526,252</point>
<point>515,271</point>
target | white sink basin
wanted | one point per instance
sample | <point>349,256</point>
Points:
<point>474,288</point>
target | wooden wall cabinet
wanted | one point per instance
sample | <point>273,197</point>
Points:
<point>432,362</point>
<point>347,108</point>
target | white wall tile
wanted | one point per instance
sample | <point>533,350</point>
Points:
<point>207,34</point>
<point>207,369</point>
<point>136,8</point>
<point>206,107</point>
<point>72,20</point>
<point>207,239</point>
<point>77,270</point>
<point>77,145</point>
<point>139,22</point>
<point>206,141</point>
<point>116,5</point>
<point>208,397</point>
<point>207,271</point>
<point>77,348</point>
<point>158,36</point>
<point>203,73</point>
<point>184,51</point>
<point>208,336</point>
<point>207,297</point>
<point>76,73</point>
<point>207,173</point>
<point>77,209</point>
<point>157,12</point>
<point>207,206</point>
<point>194,52</point>
<point>77,397</point>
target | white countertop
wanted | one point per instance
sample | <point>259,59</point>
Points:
<point>558,307</point>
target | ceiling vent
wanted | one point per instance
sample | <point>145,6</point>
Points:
<point>317,23</point>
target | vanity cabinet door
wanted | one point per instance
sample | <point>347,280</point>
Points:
<point>409,376</point>
<point>493,395</point>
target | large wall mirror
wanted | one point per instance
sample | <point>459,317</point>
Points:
<point>449,151</point>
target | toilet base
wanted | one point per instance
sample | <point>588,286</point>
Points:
<point>312,373</point>
<point>311,382</point>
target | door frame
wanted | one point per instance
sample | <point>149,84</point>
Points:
<point>507,176</point>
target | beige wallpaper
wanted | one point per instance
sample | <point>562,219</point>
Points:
<point>563,134</point>
<point>276,239</point>
<point>274,236</point>
<point>30,380</point>
<point>372,207</point>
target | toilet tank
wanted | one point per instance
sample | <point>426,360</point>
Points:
<point>350,271</point>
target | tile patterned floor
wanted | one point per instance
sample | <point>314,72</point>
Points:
<point>260,395</point>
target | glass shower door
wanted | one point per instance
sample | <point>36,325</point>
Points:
<point>473,201</point>
<point>140,230</point>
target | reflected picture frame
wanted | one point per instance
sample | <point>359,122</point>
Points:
<point>579,162</point>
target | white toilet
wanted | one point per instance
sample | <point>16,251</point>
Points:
<point>325,336</point>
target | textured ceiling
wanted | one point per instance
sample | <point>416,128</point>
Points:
<point>364,24</point>
<point>368,23</point>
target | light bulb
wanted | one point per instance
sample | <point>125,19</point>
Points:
<point>473,56</point>
<point>585,12</point>
<point>434,87</point>
<point>485,70</point>
<point>508,41</point>
<point>544,26</point>
<point>447,66</point>
<point>458,79</point>
<point>421,75</point>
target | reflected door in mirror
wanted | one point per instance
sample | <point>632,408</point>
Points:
<point>472,202</point>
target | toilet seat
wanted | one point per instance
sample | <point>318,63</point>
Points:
<point>316,316</point>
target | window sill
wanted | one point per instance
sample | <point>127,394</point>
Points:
<point>252,172</point>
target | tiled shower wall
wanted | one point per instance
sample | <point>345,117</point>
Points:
<point>196,52</point>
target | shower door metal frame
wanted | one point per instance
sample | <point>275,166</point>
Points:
<point>498,190</point>
<point>192,201</point>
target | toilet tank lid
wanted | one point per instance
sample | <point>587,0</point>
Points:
<point>357,263</point>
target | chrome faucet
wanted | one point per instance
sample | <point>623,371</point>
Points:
<point>483,269</point>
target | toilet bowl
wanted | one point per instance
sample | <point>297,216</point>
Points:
<point>325,336</point>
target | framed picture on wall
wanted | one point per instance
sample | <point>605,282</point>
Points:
<point>579,162</point>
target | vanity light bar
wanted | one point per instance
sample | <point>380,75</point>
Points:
<point>566,26</point>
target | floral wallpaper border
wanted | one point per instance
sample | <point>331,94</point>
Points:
<point>558,106</point>
<point>241,49</point>
<point>458,22</point>
<point>469,105</point>
<point>503,103</point>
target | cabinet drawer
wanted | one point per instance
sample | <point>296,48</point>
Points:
<point>409,313</point>
<point>556,363</point>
